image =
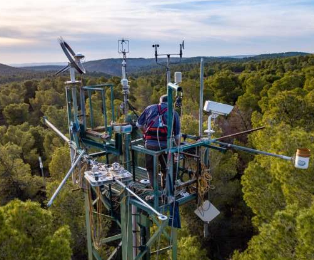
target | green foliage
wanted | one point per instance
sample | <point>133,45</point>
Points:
<point>305,234</point>
<point>189,248</point>
<point>26,232</point>
<point>277,93</point>
<point>143,92</point>
<point>288,82</point>
<point>16,114</point>
<point>22,137</point>
<point>16,180</point>
<point>11,94</point>
<point>58,117</point>
<point>224,87</point>
<point>280,195</point>
<point>68,209</point>
<point>60,163</point>
<point>288,236</point>
<point>50,143</point>
<point>189,124</point>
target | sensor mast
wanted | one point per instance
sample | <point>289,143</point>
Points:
<point>123,47</point>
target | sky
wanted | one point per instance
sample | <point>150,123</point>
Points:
<point>29,28</point>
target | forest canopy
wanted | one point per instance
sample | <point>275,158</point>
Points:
<point>266,204</point>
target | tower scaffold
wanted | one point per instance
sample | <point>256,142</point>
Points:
<point>106,163</point>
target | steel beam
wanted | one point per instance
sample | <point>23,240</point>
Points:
<point>88,229</point>
<point>159,215</point>
<point>110,239</point>
<point>56,130</point>
<point>151,240</point>
<point>237,147</point>
<point>65,178</point>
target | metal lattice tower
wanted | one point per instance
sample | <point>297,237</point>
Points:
<point>108,160</point>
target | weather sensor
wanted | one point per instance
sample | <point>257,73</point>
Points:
<point>217,108</point>
<point>74,61</point>
<point>168,55</point>
<point>302,158</point>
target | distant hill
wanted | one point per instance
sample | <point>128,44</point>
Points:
<point>113,66</point>
<point>10,74</point>
<point>134,65</point>
<point>44,68</point>
<point>6,70</point>
<point>276,55</point>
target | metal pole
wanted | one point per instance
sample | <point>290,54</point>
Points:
<point>253,150</point>
<point>56,130</point>
<point>124,228</point>
<point>169,180</point>
<point>70,118</point>
<point>168,69</point>
<point>200,128</point>
<point>125,87</point>
<point>72,74</point>
<point>75,107</point>
<point>41,166</point>
<point>134,230</point>
<point>104,108</point>
<point>83,108</point>
<point>88,227</point>
<point>159,215</point>
<point>69,110</point>
<point>174,243</point>
<point>127,141</point>
<point>91,115</point>
<point>65,179</point>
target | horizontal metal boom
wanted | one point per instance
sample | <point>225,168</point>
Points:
<point>65,178</point>
<point>57,131</point>
<point>159,215</point>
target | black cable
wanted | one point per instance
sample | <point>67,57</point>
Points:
<point>133,109</point>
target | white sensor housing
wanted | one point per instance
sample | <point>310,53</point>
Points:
<point>177,77</point>
<point>217,108</point>
<point>302,158</point>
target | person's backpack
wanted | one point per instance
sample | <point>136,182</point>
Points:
<point>157,127</point>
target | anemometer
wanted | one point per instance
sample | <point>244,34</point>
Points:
<point>168,55</point>
<point>74,61</point>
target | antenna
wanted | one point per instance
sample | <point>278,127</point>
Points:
<point>123,47</point>
<point>74,61</point>
<point>168,55</point>
<point>181,48</point>
<point>156,51</point>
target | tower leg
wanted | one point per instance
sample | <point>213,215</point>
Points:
<point>145,233</point>
<point>134,230</point>
<point>126,228</point>
<point>174,244</point>
<point>89,234</point>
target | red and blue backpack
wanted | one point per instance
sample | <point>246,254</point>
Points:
<point>157,127</point>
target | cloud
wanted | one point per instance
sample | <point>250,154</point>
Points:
<point>226,21</point>
<point>6,41</point>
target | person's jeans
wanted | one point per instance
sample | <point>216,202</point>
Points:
<point>149,160</point>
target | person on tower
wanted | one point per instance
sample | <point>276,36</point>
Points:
<point>153,124</point>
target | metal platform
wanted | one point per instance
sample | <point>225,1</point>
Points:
<point>102,174</point>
